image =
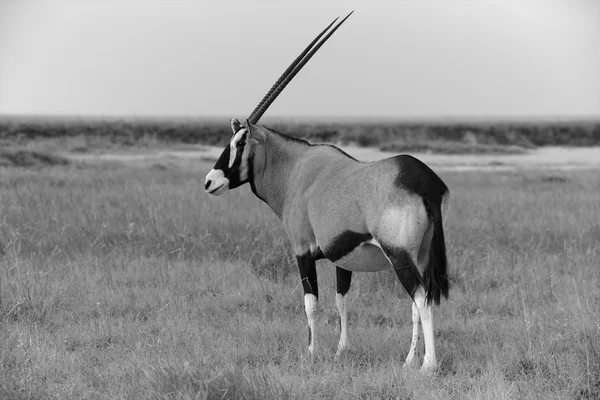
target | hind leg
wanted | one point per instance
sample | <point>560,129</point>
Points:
<point>426,313</point>
<point>422,259</point>
<point>411,279</point>
<point>411,358</point>
<point>413,283</point>
<point>424,310</point>
<point>401,235</point>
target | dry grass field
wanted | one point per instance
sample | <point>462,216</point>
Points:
<point>121,278</point>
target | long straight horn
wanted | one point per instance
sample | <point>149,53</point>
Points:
<point>291,71</point>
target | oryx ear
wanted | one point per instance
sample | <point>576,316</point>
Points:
<point>235,125</point>
<point>256,135</point>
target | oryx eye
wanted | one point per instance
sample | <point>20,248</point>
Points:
<point>241,143</point>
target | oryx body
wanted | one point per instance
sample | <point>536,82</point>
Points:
<point>361,216</point>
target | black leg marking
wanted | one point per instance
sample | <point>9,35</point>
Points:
<point>308,274</point>
<point>344,279</point>
<point>405,269</point>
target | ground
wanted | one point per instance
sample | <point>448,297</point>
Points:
<point>121,278</point>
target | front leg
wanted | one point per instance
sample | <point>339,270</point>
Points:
<point>308,274</point>
<point>344,279</point>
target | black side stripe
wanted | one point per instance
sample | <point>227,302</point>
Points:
<point>344,243</point>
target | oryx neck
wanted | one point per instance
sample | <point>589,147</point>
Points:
<point>271,179</point>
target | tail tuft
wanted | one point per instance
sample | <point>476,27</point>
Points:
<point>436,273</point>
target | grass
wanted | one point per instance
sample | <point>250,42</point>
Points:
<point>122,281</point>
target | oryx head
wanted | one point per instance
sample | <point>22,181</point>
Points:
<point>234,166</point>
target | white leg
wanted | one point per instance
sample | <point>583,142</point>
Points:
<point>341,302</point>
<point>411,358</point>
<point>426,313</point>
<point>310,306</point>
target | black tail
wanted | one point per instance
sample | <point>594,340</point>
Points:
<point>436,274</point>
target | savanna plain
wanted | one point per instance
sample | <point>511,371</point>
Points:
<point>121,278</point>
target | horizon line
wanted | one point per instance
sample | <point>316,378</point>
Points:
<point>312,118</point>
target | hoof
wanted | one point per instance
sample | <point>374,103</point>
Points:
<point>429,369</point>
<point>410,364</point>
<point>340,353</point>
<point>341,350</point>
<point>308,356</point>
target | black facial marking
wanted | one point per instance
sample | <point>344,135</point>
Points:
<point>239,151</point>
<point>405,268</point>
<point>344,243</point>
<point>308,274</point>
<point>418,178</point>
<point>232,173</point>
<point>309,336</point>
<point>223,161</point>
<point>344,279</point>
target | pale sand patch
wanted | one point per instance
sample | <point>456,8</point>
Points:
<point>554,157</point>
<point>561,158</point>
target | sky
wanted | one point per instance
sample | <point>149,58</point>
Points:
<point>393,59</point>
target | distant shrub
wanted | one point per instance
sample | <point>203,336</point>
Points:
<point>218,133</point>
<point>27,158</point>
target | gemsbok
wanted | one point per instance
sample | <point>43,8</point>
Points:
<point>362,216</point>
